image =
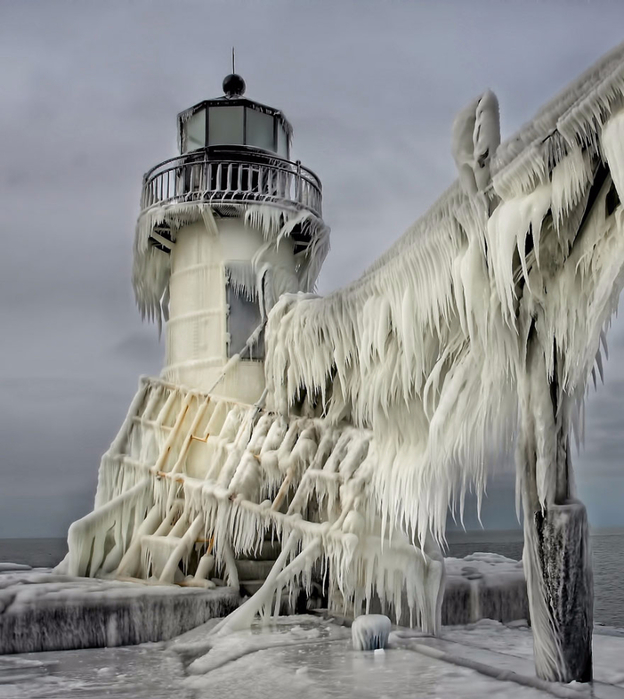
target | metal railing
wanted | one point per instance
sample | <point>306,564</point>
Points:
<point>232,175</point>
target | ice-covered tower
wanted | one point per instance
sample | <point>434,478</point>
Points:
<point>225,228</point>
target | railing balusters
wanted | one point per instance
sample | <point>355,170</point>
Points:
<point>183,178</point>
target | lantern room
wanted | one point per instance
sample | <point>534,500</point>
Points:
<point>234,120</point>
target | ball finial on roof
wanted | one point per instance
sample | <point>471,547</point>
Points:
<point>233,85</point>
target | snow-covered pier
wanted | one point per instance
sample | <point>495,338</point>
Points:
<point>41,610</point>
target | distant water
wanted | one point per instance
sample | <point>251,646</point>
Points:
<point>607,550</point>
<point>38,553</point>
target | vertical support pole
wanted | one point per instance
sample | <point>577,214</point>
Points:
<point>435,581</point>
<point>562,535</point>
<point>298,190</point>
<point>557,558</point>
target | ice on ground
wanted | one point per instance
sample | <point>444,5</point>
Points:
<point>219,650</point>
<point>333,669</point>
<point>516,642</point>
<point>306,657</point>
<point>138,672</point>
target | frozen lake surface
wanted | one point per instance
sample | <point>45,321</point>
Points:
<point>303,657</point>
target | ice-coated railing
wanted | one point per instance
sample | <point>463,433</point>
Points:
<point>222,175</point>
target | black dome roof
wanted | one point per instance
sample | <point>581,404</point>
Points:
<point>233,85</point>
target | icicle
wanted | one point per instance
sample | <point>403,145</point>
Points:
<point>151,267</point>
<point>420,370</point>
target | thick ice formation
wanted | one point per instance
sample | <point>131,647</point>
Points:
<point>388,398</point>
<point>483,321</point>
<point>484,586</point>
<point>194,481</point>
<point>476,136</point>
<point>370,632</point>
<point>151,269</point>
<point>42,611</point>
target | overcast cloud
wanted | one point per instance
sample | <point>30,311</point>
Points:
<point>89,92</point>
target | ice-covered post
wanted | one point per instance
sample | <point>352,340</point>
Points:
<point>556,547</point>
<point>556,558</point>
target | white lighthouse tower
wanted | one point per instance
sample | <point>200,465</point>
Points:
<point>225,228</point>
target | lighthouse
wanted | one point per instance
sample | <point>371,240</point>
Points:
<point>225,228</point>
<point>206,483</point>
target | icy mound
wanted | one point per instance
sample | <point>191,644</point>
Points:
<point>480,586</point>
<point>370,632</point>
<point>484,586</point>
<point>480,565</point>
<point>40,611</point>
<point>6,567</point>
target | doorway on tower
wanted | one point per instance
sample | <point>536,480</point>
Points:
<point>243,317</point>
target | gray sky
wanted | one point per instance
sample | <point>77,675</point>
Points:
<point>89,92</point>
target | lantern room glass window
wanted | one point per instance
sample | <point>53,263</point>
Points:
<point>260,130</point>
<point>196,131</point>
<point>282,141</point>
<point>226,126</point>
